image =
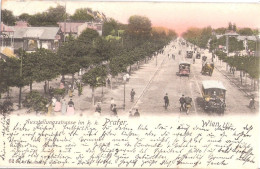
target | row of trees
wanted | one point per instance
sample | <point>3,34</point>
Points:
<point>201,37</point>
<point>98,55</point>
<point>52,16</point>
<point>233,44</point>
<point>198,36</point>
<point>246,64</point>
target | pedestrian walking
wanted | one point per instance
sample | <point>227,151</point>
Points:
<point>54,100</point>
<point>98,108</point>
<point>63,106</point>
<point>108,82</point>
<point>70,108</point>
<point>112,103</point>
<point>166,101</point>
<point>50,107</point>
<point>137,114</point>
<point>173,56</point>
<point>127,77</point>
<point>61,85</point>
<point>57,107</point>
<point>114,110</point>
<point>182,101</point>
<point>70,92</point>
<point>45,88</point>
<point>130,114</point>
<point>132,93</point>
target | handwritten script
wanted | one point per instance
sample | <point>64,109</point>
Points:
<point>123,142</point>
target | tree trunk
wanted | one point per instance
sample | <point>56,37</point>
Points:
<point>246,80</point>
<point>20,98</point>
<point>63,78</point>
<point>130,69</point>
<point>72,82</point>
<point>111,83</point>
<point>30,86</point>
<point>254,85</point>
<point>227,66</point>
<point>93,96</point>
<point>45,87</point>
<point>241,77</point>
<point>48,86</point>
<point>8,92</point>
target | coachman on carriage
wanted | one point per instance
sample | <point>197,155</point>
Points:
<point>214,95</point>
<point>207,68</point>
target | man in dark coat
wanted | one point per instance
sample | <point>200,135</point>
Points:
<point>166,101</point>
<point>182,101</point>
<point>132,95</point>
<point>137,114</point>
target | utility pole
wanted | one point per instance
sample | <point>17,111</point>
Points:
<point>21,73</point>
<point>65,21</point>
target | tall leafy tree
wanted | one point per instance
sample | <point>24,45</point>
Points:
<point>139,26</point>
<point>49,17</point>
<point>109,26</point>
<point>245,31</point>
<point>82,14</point>
<point>96,77</point>
<point>24,17</point>
<point>7,17</point>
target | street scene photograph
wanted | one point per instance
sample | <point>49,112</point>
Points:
<point>134,59</point>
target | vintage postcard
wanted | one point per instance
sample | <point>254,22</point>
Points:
<point>88,84</point>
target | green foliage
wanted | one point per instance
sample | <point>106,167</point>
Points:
<point>235,45</point>
<point>251,45</point>
<point>220,31</point>
<point>59,92</point>
<point>95,77</point>
<point>245,31</point>
<point>35,101</point>
<point>6,106</point>
<point>82,14</point>
<point>109,26</point>
<point>139,26</point>
<point>221,55</point>
<point>49,17</point>
<point>24,17</point>
<point>247,64</point>
<point>197,36</point>
<point>87,36</point>
<point>10,73</point>
<point>7,17</point>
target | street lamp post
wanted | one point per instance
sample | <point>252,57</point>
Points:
<point>20,90</point>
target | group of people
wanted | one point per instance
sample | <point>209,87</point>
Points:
<point>57,105</point>
<point>183,102</point>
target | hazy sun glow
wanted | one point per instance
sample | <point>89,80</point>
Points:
<point>176,16</point>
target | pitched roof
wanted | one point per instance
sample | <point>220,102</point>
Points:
<point>6,28</point>
<point>211,84</point>
<point>70,26</point>
<point>36,32</point>
<point>253,38</point>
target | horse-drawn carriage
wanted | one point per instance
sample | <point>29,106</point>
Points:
<point>213,93</point>
<point>189,54</point>
<point>207,68</point>
<point>184,68</point>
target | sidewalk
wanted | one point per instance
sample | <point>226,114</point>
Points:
<point>246,87</point>
<point>139,79</point>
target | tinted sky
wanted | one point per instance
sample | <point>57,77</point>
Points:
<point>174,15</point>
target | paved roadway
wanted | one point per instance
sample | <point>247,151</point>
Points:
<point>165,80</point>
